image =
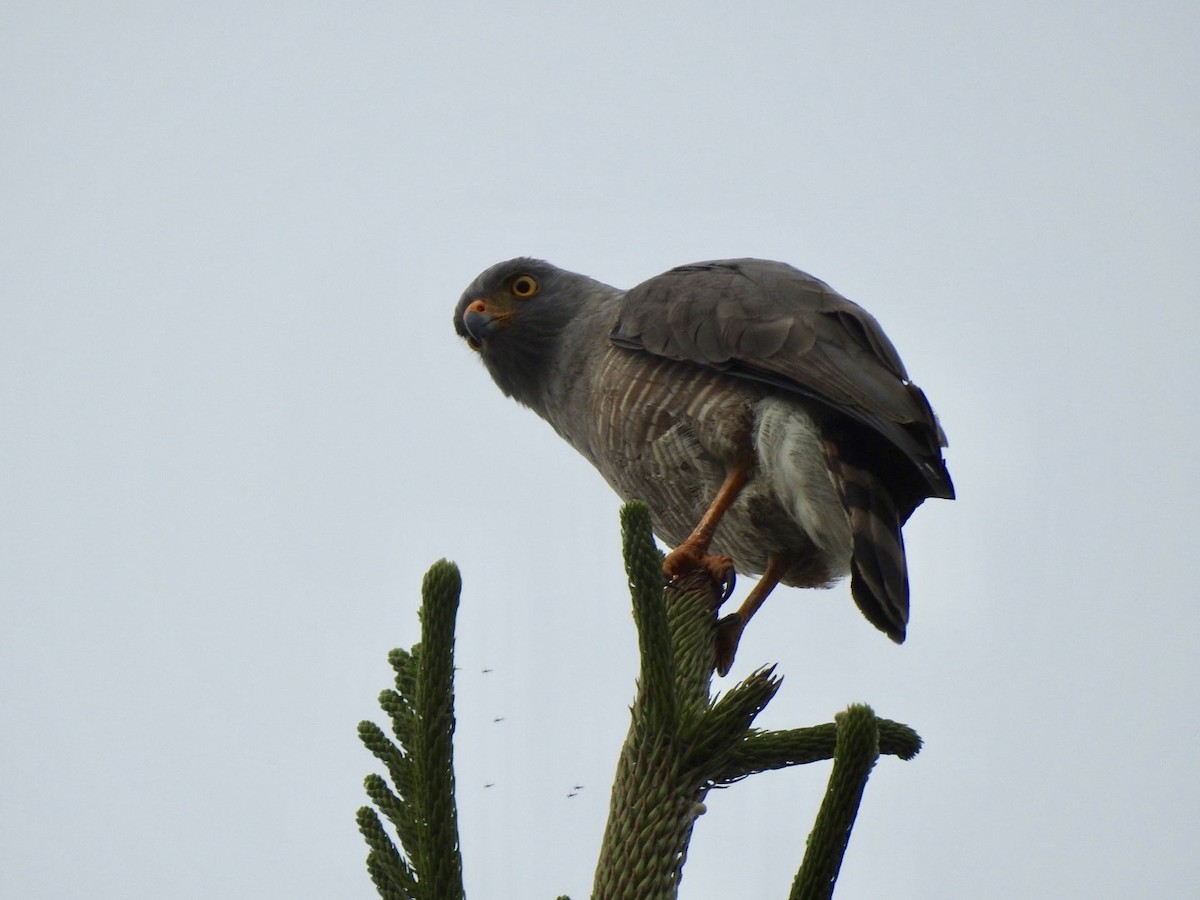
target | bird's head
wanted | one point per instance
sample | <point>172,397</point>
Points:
<point>517,314</point>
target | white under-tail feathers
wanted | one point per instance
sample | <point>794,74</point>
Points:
<point>846,510</point>
<point>791,458</point>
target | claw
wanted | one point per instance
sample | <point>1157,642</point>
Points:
<point>730,583</point>
<point>683,561</point>
<point>730,628</point>
<point>729,632</point>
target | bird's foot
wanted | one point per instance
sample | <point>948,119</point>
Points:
<point>683,561</point>
<point>729,632</point>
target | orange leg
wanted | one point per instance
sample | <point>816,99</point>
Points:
<point>730,628</point>
<point>692,555</point>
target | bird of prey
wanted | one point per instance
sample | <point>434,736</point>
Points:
<point>766,421</point>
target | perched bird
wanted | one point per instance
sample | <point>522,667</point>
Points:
<point>766,421</point>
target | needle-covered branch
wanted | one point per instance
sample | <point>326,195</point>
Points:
<point>855,755</point>
<point>420,803</point>
<point>682,742</point>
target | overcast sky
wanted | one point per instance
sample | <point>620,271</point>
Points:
<point>236,427</point>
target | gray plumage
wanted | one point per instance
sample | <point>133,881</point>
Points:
<point>667,387</point>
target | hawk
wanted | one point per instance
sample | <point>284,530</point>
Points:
<point>766,421</point>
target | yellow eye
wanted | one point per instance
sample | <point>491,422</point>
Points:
<point>523,287</point>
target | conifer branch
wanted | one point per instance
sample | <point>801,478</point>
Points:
<point>681,744</point>
<point>855,755</point>
<point>420,763</point>
<point>643,565</point>
<point>765,750</point>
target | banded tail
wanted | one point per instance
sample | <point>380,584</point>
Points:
<point>878,570</point>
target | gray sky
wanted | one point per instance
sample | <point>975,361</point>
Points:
<point>237,427</point>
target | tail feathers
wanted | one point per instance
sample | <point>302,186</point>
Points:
<point>878,572</point>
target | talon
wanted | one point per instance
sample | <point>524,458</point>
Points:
<point>683,561</point>
<point>730,628</point>
<point>729,632</point>
<point>730,583</point>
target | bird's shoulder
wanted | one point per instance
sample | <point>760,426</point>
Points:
<point>749,311</point>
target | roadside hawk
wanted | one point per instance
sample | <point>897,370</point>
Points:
<point>765,420</point>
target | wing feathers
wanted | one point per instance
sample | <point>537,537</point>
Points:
<point>772,323</point>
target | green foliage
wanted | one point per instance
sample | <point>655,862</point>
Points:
<point>419,804</point>
<point>854,756</point>
<point>682,742</point>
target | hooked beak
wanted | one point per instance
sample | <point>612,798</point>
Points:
<point>480,321</point>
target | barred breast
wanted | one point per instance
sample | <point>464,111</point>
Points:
<point>666,432</point>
